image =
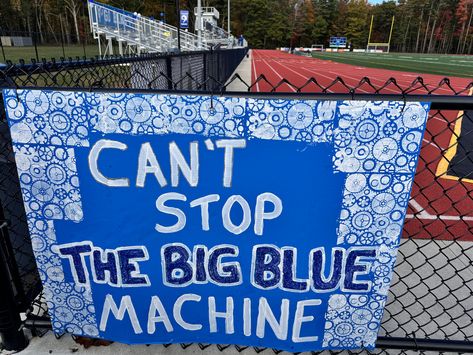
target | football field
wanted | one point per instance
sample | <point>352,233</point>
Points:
<point>440,64</point>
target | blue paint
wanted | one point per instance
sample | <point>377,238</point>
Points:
<point>179,264</point>
<point>327,276</point>
<point>109,266</point>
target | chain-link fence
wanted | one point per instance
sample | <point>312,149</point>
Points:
<point>430,304</point>
<point>27,45</point>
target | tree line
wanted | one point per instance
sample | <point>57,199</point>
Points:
<point>420,26</point>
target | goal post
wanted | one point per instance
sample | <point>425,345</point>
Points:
<point>379,47</point>
<point>317,48</point>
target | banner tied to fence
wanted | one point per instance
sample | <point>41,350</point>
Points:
<point>167,218</point>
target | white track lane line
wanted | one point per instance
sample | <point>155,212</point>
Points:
<point>432,143</point>
<point>275,72</point>
<point>406,82</point>
<point>253,58</point>
<point>302,76</point>
<point>328,77</point>
<point>423,214</point>
<point>444,121</point>
<point>398,79</point>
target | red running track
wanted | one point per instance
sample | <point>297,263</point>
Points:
<point>440,208</point>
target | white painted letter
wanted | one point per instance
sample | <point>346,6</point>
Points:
<point>247,316</point>
<point>299,318</point>
<point>227,221</point>
<point>94,169</point>
<point>181,217</point>
<point>156,305</point>
<point>229,145</point>
<point>266,314</point>
<point>125,306</point>
<point>178,162</point>
<point>261,214</point>
<point>177,311</point>
<point>203,202</point>
<point>147,163</point>
<point>228,315</point>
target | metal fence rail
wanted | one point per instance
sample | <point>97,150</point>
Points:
<point>430,306</point>
<point>203,71</point>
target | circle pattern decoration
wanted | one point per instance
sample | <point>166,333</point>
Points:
<point>68,305</point>
<point>353,322</point>
<point>160,114</point>
<point>380,164</point>
<point>138,109</point>
<point>377,197</point>
<point>51,181</point>
<point>385,149</point>
<point>376,135</point>
<point>300,116</point>
<point>211,112</point>
<point>414,116</point>
<point>367,130</point>
<point>56,118</point>
<point>294,120</point>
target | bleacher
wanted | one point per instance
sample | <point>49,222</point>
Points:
<point>135,33</point>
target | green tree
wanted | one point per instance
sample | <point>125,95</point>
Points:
<point>357,19</point>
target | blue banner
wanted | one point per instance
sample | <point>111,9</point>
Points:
<point>184,19</point>
<point>167,218</point>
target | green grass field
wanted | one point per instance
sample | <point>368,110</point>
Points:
<point>16,53</point>
<point>445,65</point>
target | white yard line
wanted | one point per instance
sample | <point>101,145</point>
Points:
<point>420,61</point>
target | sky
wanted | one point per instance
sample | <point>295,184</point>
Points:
<point>375,1</point>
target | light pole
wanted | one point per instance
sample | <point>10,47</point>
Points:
<point>178,13</point>
<point>199,24</point>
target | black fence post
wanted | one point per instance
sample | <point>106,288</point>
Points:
<point>204,60</point>
<point>217,53</point>
<point>35,46</point>
<point>178,16</point>
<point>13,337</point>
<point>169,72</point>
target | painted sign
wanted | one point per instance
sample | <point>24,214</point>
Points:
<point>167,218</point>
<point>184,19</point>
